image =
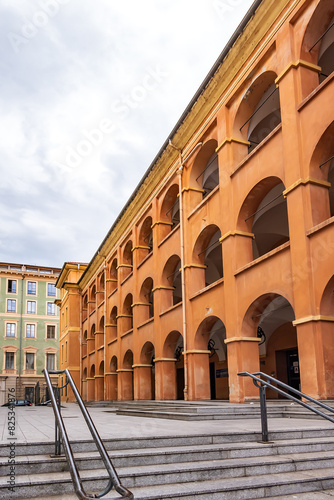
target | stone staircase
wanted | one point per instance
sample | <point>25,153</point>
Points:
<point>209,410</point>
<point>224,465</point>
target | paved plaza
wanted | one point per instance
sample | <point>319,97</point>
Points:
<point>36,424</point>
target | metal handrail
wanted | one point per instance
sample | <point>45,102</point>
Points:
<point>263,384</point>
<point>113,477</point>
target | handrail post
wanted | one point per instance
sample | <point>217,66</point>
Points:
<point>264,416</point>
<point>57,431</point>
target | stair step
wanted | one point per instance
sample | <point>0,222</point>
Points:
<point>187,472</point>
<point>265,486</point>
<point>170,455</point>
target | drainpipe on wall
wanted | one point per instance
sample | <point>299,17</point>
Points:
<point>80,343</point>
<point>183,286</point>
<point>104,328</point>
<point>20,345</point>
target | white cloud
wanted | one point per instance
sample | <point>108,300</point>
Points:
<point>68,71</point>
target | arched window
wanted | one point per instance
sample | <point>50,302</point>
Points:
<point>266,117</point>
<point>85,307</point>
<point>213,259</point>
<point>264,214</point>
<point>127,255</point>
<point>170,212</point>
<point>270,224</point>
<point>113,316</point>
<point>145,240</point>
<point>326,52</point>
<point>127,311</point>
<point>208,254</point>
<point>331,189</point>
<point>171,279</point>
<point>147,296</point>
<point>259,111</point>
<point>205,172</point>
<point>210,175</point>
<point>102,282</point>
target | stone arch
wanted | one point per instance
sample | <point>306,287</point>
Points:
<point>270,317</point>
<point>171,279</point>
<point>127,376</point>
<point>210,336</point>
<point>205,173</point>
<point>92,371</point>
<point>318,44</point>
<point>113,316</point>
<point>112,380</point>
<point>147,297</point>
<point>146,374</point>
<point>102,281</point>
<point>207,253</point>
<point>146,235</point>
<point>113,364</point>
<point>264,215</point>
<point>127,264</point>
<point>113,278</point>
<point>170,211</point>
<point>259,111</point>
<point>127,317</point>
<point>85,306</point>
<point>101,324</point>
<point>173,366</point>
<point>128,359</point>
<point>322,168</point>
<point>327,299</point>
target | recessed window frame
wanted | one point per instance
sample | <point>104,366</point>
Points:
<point>32,355</point>
<point>10,327</point>
<point>51,309</point>
<point>11,288</point>
<point>30,331</point>
<point>31,309</point>
<point>10,355</point>
<point>50,356</point>
<point>51,290</point>
<point>32,288</point>
<point>11,306</point>
<point>54,328</point>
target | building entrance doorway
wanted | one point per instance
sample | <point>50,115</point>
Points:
<point>287,364</point>
<point>29,393</point>
<point>293,369</point>
<point>180,383</point>
<point>212,381</point>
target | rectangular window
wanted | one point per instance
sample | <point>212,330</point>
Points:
<point>30,361</point>
<point>31,287</point>
<point>11,305</point>
<point>31,307</point>
<point>51,290</point>
<point>9,364</point>
<point>50,361</point>
<point>30,331</point>
<point>51,332</point>
<point>51,309</point>
<point>11,286</point>
<point>10,329</point>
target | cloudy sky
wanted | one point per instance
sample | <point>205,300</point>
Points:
<point>89,91</point>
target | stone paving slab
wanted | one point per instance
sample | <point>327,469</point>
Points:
<point>36,424</point>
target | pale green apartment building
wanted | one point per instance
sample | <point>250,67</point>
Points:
<point>29,329</point>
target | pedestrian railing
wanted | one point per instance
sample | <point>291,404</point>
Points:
<point>61,434</point>
<point>264,381</point>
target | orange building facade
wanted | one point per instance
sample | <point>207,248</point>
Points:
<point>222,260</point>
